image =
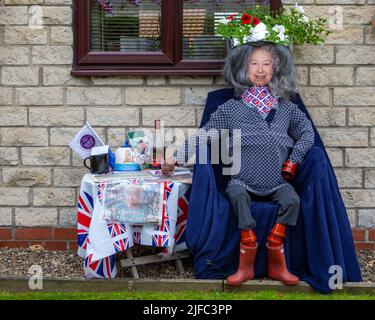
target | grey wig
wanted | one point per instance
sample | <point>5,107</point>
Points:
<point>282,84</point>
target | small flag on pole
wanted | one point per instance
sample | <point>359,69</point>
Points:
<point>85,140</point>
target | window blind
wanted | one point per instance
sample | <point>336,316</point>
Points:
<point>125,25</point>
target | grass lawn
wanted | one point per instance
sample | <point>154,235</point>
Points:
<point>182,295</point>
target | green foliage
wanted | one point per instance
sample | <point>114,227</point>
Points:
<point>183,295</point>
<point>299,29</point>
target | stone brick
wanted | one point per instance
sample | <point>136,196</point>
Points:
<point>359,96</point>
<point>370,35</point>
<point>218,80</point>
<point>58,2</point>
<point>94,96</point>
<point>25,35</point>
<point>13,116</point>
<point>358,199</point>
<point>196,96</point>
<point>309,54</point>
<point>336,156</point>
<point>61,35</point>
<point>347,35</point>
<point>331,76</point>
<point>171,116</point>
<point>366,218</point>
<point>5,96</point>
<point>13,16</point>
<point>360,157</point>
<point>355,55</point>
<point>372,136</point>
<point>76,160</point>
<point>51,156</point>
<point>20,76</point>
<point>116,137</point>
<point>156,81</point>
<point>349,178</point>
<point>59,76</point>
<point>62,136</point>
<point>8,156</point>
<point>338,2</point>
<point>23,137</point>
<point>366,76</point>
<point>184,80</point>
<point>14,55</point>
<point>68,216</point>
<point>39,96</point>
<point>27,177</point>
<point>301,76</point>
<point>6,217</point>
<point>14,196</point>
<point>54,197</point>
<point>152,96</point>
<point>328,117</point>
<point>313,96</point>
<point>362,116</point>
<point>113,116</point>
<point>68,177</point>
<point>285,2</point>
<point>52,55</point>
<point>344,137</point>
<point>12,2</point>
<point>56,117</point>
<point>117,81</point>
<point>358,14</point>
<point>57,15</point>
<point>352,217</point>
<point>370,179</point>
<point>29,217</point>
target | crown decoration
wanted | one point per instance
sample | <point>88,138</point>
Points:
<point>284,27</point>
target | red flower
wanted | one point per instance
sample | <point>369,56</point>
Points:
<point>231,16</point>
<point>246,18</point>
<point>255,21</point>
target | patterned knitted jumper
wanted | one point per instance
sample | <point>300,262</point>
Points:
<point>265,146</point>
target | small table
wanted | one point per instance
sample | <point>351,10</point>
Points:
<point>99,241</point>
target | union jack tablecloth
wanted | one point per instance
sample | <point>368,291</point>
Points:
<point>99,241</point>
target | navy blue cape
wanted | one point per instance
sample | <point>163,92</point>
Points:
<point>321,240</point>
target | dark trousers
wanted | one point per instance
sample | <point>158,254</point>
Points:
<point>241,198</point>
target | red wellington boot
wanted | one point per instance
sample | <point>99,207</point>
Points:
<point>246,267</point>
<point>277,268</point>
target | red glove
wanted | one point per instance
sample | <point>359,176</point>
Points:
<point>288,170</point>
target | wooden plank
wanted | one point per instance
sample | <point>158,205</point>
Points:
<point>133,267</point>
<point>156,258</point>
<point>180,267</point>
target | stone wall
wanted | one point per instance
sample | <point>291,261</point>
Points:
<point>42,107</point>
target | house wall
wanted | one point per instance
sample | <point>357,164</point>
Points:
<point>42,107</point>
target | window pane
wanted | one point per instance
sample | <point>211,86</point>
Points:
<point>125,25</point>
<point>200,19</point>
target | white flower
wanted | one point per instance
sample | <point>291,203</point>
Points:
<point>236,42</point>
<point>281,31</point>
<point>259,32</point>
<point>304,19</point>
<point>224,21</point>
<point>299,8</point>
<point>279,28</point>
